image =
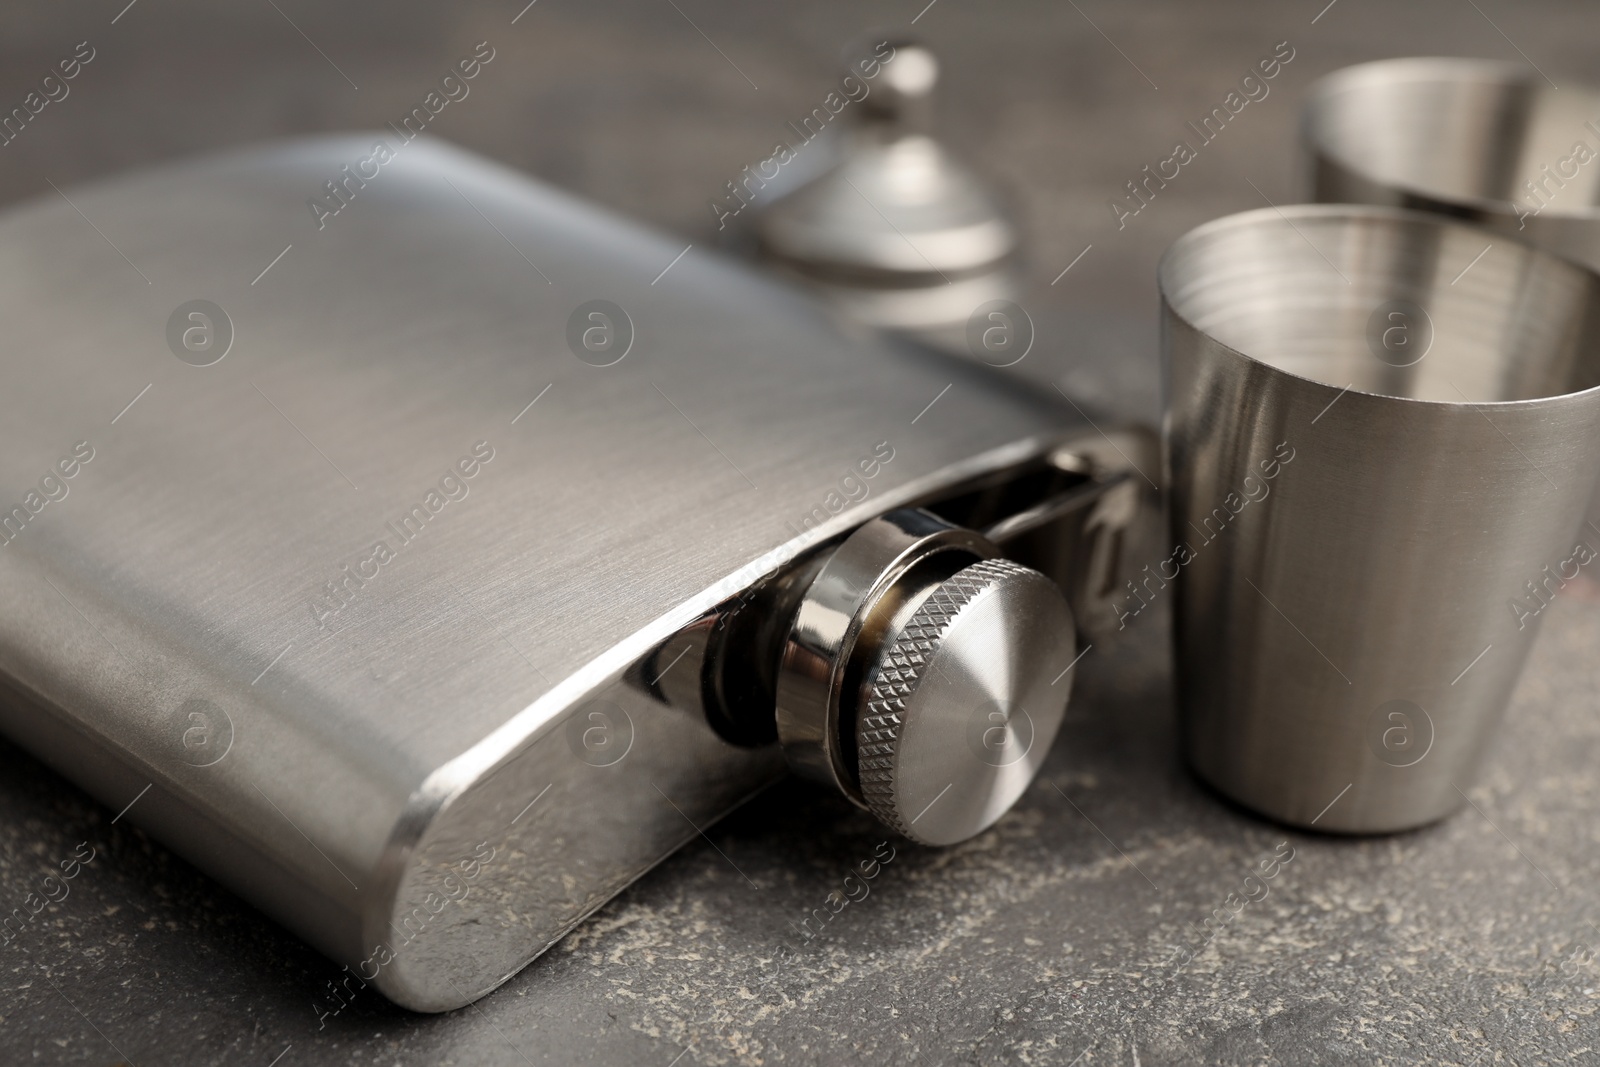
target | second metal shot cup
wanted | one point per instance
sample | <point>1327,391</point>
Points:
<point>1475,139</point>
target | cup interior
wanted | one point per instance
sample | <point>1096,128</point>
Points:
<point>1463,130</point>
<point>1395,303</point>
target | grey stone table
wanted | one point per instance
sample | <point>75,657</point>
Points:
<point>1052,939</point>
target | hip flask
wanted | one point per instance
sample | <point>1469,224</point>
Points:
<point>425,554</point>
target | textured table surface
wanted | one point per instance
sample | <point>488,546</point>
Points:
<point>1049,940</point>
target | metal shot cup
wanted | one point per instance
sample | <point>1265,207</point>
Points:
<point>1492,143</point>
<point>1379,441</point>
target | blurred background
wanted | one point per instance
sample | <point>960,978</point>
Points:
<point>1046,941</point>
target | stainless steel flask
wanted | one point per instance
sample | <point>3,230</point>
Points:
<point>426,554</point>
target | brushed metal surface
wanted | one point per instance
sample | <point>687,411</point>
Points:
<point>1489,142</point>
<point>436,772</point>
<point>1351,536</point>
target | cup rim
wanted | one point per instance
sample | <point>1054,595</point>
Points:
<point>1325,90</point>
<point>1288,213</point>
